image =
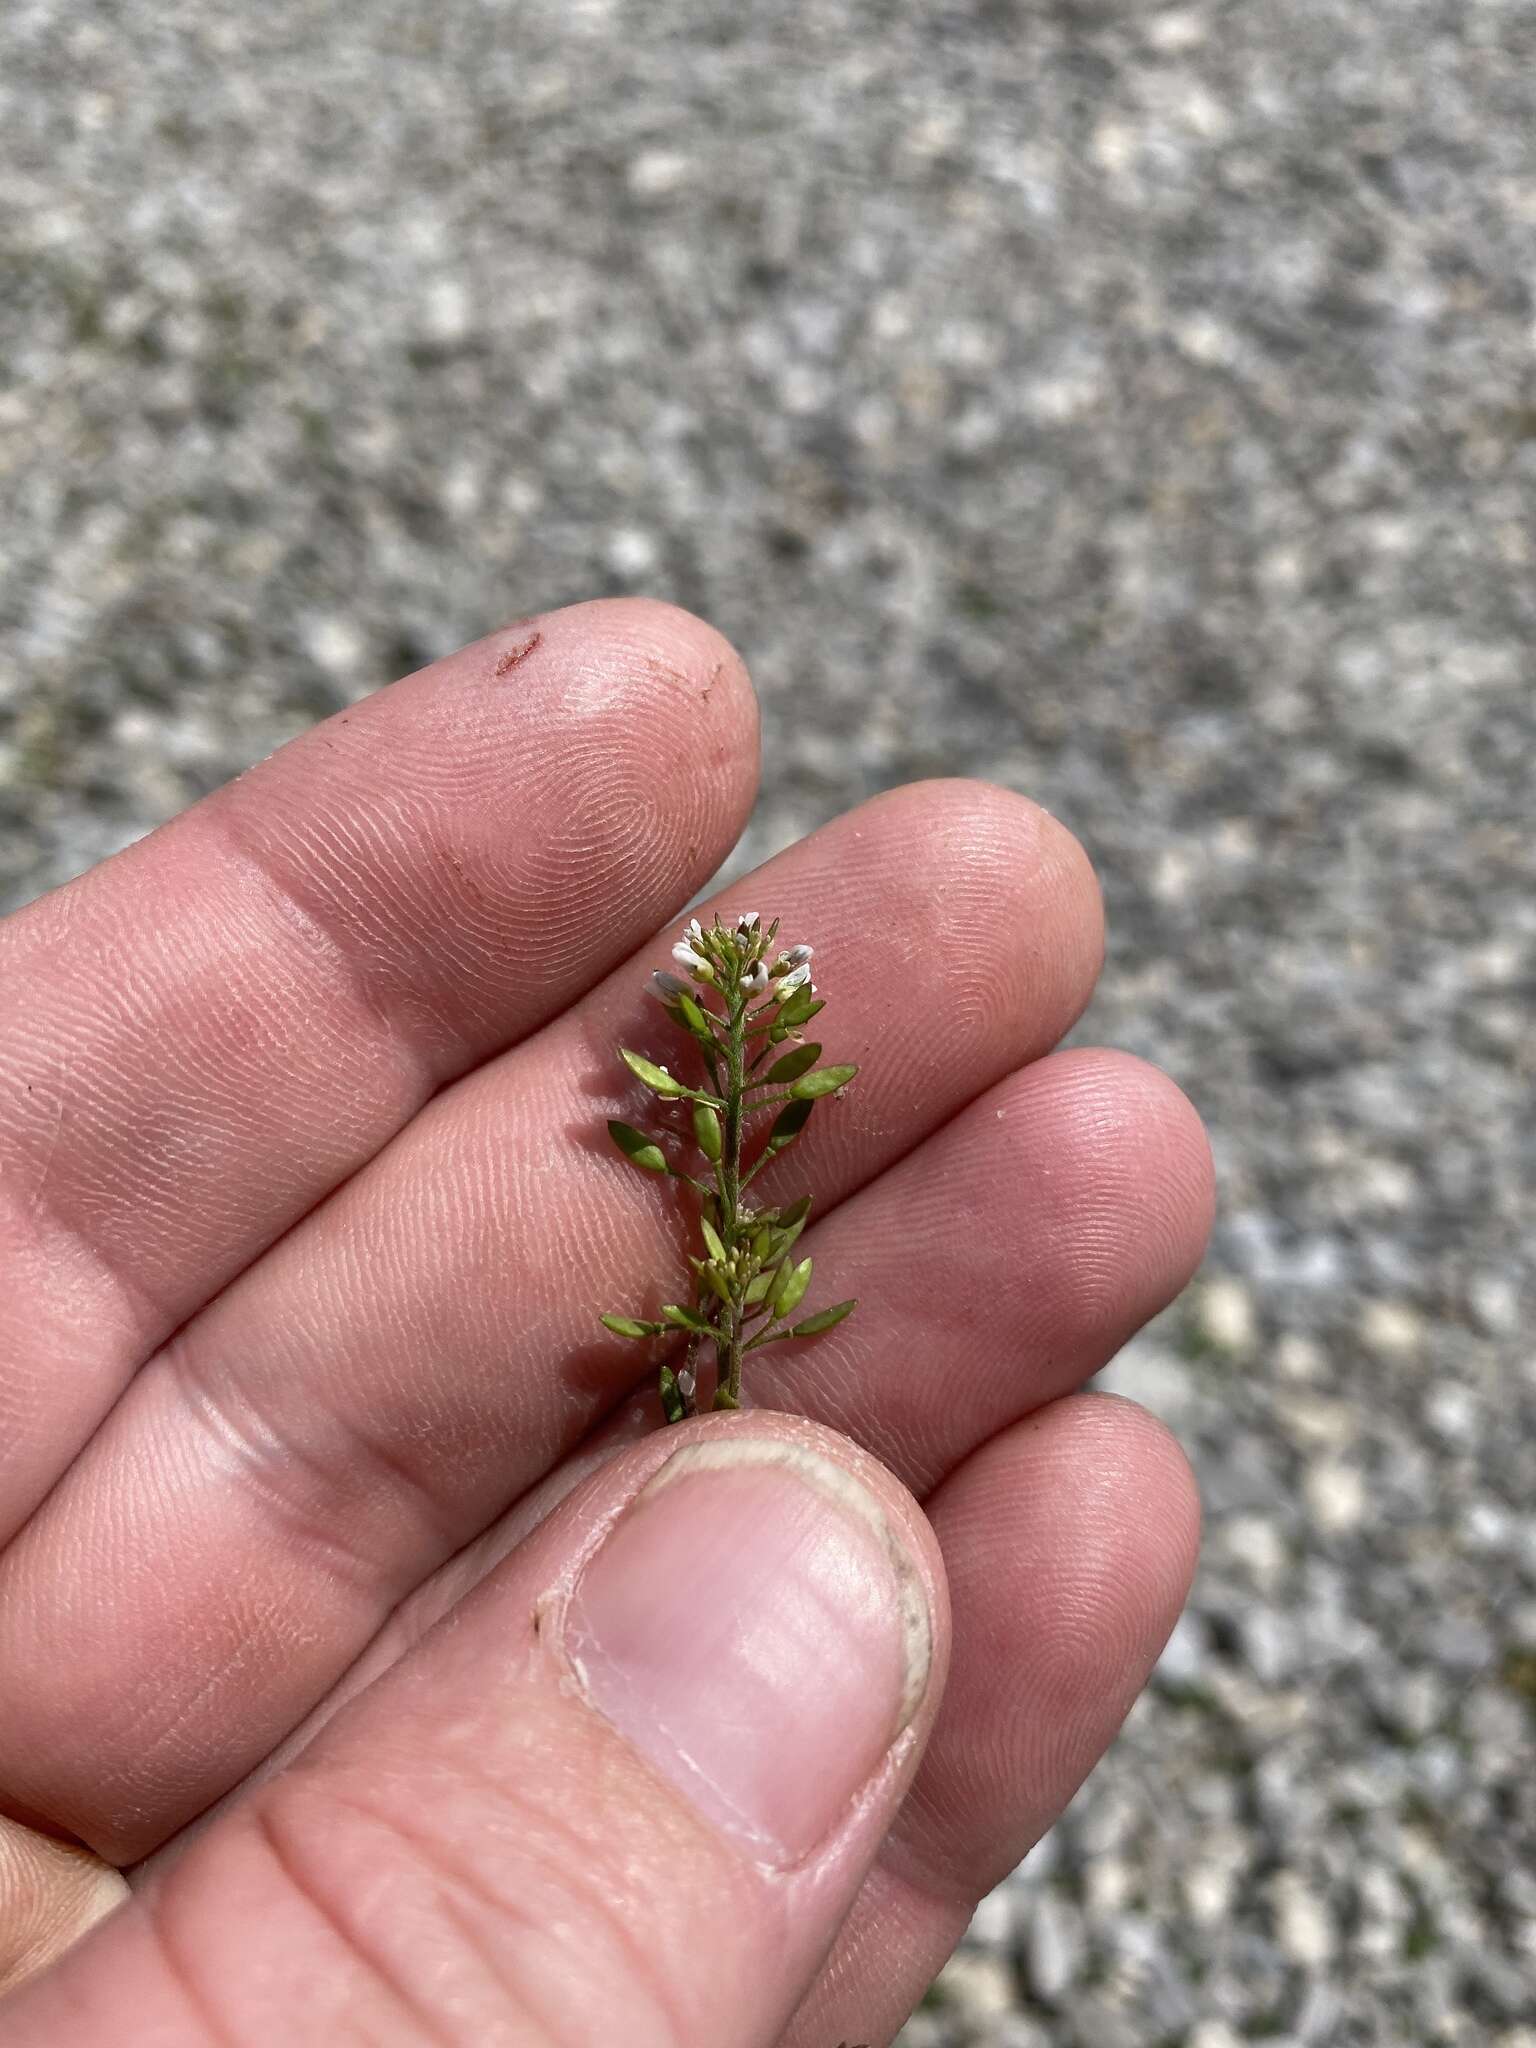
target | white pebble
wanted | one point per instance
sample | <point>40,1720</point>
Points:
<point>1301,1921</point>
<point>1214,2034</point>
<point>1226,1313</point>
<point>1336,1495</point>
<point>1297,1357</point>
<point>980,1985</point>
<point>446,310</point>
<point>1053,1947</point>
<point>632,552</point>
<point>1391,1327</point>
<point>657,172</point>
<point>335,644</point>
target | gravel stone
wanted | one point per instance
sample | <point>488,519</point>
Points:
<point>1053,1948</point>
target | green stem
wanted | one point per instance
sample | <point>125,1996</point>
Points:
<point>769,1337</point>
<point>757,1166</point>
<point>730,1185</point>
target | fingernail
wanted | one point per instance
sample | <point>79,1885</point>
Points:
<point>757,1628</point>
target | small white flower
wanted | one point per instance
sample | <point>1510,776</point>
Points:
<point>746,921</point>
<point>694,929</point>
<point>786,985</point>
<point>796,956</point>
<point>685,956</point>
<point>687,1384</point>
<point>668,986</point>
<point>755,981</point>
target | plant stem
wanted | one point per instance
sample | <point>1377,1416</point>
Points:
<point>756,1167</point>
<point>730,1185</point>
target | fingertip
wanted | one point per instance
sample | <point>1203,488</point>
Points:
<point>1150,1491</point>
<point>1015,845</point>
<point>677,651</point>
<point>1136,1145</point>
<point>990,883</point>
<point>1094,1505</point>
<point>1086,1181</point>
<point>1172,1130</point>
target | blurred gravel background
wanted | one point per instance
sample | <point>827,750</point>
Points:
<point>1136,405</point>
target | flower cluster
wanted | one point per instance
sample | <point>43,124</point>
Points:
<point>740,998</point>
<point>735,957</point>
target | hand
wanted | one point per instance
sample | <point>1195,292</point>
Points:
<point>425,1691</point>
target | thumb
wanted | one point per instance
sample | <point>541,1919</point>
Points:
<point>626,1791</point>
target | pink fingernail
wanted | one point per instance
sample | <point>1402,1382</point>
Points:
<point>756,1627</point>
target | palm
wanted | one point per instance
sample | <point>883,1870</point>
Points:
<point>307,1216</point>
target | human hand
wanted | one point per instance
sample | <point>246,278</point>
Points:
<point>318,1479</point>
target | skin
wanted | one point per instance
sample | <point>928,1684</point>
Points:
<point>306,1220</point>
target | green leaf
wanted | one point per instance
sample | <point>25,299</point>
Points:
<point>724,1398</point>
<point>797,1009</point>
<point>759,1284</point>
<point>687,1319</point>
<point>637,1148</point>
<point>793,1010</point>
<point>822,1082</point>
<point>789,1230</point>
<point>788,1124</point>
<point>706,1129</point>
<point>653,1076</point>
<point>712,1239</point>
<point>717,1283</point>
<point>697,1020</point>
<point>626,1326</point>
<point>790,1291</point>
<point>794,1064</point>
<point>824,1319</point>
<point>671,1396</point>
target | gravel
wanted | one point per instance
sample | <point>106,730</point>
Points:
<point>1135,405</point>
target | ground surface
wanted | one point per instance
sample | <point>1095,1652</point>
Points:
<point>1132,404</point>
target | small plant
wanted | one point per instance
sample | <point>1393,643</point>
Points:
<point>742,1000</point>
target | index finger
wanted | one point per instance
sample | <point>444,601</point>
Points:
<point>203,1037</point>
